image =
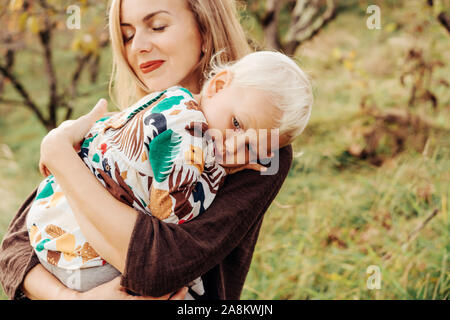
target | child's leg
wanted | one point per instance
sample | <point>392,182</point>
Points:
<point>83,279</point>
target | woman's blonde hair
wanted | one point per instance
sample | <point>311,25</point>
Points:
<point>219,26</point>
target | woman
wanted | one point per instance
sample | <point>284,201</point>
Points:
<point>156,44</point>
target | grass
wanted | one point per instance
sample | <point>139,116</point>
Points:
<point>334,216</point>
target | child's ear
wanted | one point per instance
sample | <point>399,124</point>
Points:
<point>219,82</point>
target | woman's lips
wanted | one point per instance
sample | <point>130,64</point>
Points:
<point>150,66</point>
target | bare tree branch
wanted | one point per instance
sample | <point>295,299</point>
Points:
<point>45,39</point>
<point>442,17</point>
<point>270,24</point>
<point>9,57</point>
<point>24,94</point>
<point>307,20</point>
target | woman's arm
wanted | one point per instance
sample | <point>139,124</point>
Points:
<point>21,275</point>
<point>164,256</point>
<point>52,290</point>
<point>55,290</point>
<point>177,254</point>
<point>106,222</point>
<point>16,254</point>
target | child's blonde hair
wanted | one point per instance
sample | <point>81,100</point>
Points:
<point>282,79</point>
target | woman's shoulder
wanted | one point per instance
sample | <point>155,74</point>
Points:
<point>178,107</point>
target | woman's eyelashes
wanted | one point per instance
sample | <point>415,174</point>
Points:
<point>161,28</point>
<point>127,37</point>
<point>127,34</point>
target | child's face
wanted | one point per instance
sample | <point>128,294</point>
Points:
<point>240,115</point>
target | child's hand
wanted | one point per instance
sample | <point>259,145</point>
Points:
<point>251,166</point>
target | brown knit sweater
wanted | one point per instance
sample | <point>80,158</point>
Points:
<point>218,245</point>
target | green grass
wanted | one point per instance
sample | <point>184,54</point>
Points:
<point>334,216</point>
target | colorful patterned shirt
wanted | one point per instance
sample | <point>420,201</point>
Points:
<point>154,156</point>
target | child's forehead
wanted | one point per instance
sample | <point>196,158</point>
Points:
<point>259,116</point>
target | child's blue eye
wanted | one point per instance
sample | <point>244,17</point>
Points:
<point>236,123</point>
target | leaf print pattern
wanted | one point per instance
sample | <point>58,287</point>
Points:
<point>157,123</point>
<point>167,104</point>
<point>163,150</point>
<point>119,188</point>
<point>129,136</point>
<point>180,187</point>
<point>194,157</point>
<point>47,191</point>
<point>160,203</point>
<point>197,129</point>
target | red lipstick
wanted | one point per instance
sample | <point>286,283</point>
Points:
<point>150,66</point>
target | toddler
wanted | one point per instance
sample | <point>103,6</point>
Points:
<point>168,154</point>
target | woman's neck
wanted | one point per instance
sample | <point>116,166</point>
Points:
<point>198,98</point>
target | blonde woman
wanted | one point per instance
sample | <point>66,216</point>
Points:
<point>156,44</point>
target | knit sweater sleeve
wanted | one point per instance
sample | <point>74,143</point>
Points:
<point>164,257</point>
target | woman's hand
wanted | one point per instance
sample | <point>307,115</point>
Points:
<point>69,133</point>
<point>39,284</point>
<point>112,290</point>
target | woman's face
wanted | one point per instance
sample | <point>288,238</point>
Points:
<point>162,42</point>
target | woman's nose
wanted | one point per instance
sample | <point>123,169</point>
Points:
<point>141,42</point>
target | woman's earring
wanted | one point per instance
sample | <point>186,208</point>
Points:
<point>204,50</point>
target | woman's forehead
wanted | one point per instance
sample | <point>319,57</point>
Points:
<point>132,10</point>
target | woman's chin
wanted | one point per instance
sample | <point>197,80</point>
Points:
<point>157,82</point>
<point>155,86</point>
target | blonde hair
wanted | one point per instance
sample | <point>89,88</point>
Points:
<point>282,79</point>
<point>221,31</point>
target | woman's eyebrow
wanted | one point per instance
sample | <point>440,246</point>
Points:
<point>147,17</point>
<point>151,15</point>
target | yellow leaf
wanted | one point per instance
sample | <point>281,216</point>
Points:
<point>348,64</point>
<point>352,55</point>
<point>76,44</point>
<point>390,27</point>
<point>15,5</point>
<point>23,21</point>
<point>333,276</point>
<point>337,54</point>
<point>33,25</point>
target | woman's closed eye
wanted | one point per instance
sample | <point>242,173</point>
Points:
<point>161,28</point>
<point>127,35</point>
<point>127,39</point>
